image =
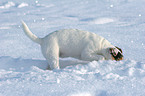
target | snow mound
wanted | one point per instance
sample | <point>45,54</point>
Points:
<point>81,94</point>
<point>97,78</point>
<point>12,4</point>
<point>103,21</point>
<point>22,5</point>
<point>5,27</point>
<point>7,5</point>
<point>44,5</point>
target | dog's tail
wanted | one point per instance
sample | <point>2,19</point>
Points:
<point>30,34</point>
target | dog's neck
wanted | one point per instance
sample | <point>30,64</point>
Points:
<point>106,53</point>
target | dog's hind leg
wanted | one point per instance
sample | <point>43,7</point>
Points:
<point>51,54</point>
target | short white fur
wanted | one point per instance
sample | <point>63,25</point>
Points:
<point>71,43</point>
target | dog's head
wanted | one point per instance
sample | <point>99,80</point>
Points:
<point>116,53</point>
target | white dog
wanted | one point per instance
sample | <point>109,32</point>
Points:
<point>74,43</point>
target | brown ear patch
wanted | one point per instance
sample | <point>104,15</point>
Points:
<point>115,54</point>
<point>119,49</point>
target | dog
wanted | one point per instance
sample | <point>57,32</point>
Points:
<point>75,43</point>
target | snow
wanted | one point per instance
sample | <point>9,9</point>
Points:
<point>7,5</point>
<point>22,5</point>
<point>23,68</point>
<point>103,21</point>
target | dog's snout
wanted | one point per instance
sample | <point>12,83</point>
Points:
<point>119,57</point>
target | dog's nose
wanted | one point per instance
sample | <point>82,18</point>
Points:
<point>119,56</point>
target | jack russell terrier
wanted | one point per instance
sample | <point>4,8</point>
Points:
<point>74,43</point>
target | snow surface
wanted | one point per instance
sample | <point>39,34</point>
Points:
<point>23,68</point>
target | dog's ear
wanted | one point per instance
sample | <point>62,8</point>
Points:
<point>110,49</point>
<point>119,49</point>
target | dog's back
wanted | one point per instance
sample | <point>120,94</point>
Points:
<point>71,42</point>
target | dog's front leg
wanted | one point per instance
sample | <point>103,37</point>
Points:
<point>90,55</point>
